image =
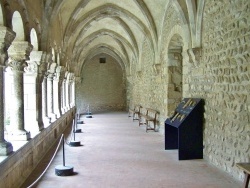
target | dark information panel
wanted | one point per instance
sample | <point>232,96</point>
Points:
<point>184,129</point>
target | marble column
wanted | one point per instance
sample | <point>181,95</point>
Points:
<point>18,54</point>
<point>67,106</point>
<point>46,118</point>
<point>61,79</point>
<point>73,92</point>
<point>33,78</point>
<point>50,97</point>
<point>57,82</point>
<point>70,90</point>
<point>62,96</point>
<point>72,80</point>
<point>6,37</point>
<point>65,92</point>
<point>63,102</point>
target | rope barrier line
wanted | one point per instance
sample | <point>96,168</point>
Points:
<point>62,137</point>
<point>64,141</point>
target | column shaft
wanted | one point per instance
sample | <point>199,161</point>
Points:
<point>56,97</point>
<point>5,147</point>
<point>6,37</point>
<point>46,118</point>
<point>50,98</point>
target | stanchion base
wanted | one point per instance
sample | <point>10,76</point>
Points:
<point>61,170</point>
<point>88,116</point>
<point>78,131</point>
<point>75,143</point>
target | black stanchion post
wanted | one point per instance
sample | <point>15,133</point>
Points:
<point>74,143</point>
<point>76,130</point>
<point>63,153</point>
<point>89,114</point>
<point>63,170</point>
<point>78,118</point>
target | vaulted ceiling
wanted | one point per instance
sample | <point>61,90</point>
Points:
<point>116,28</point>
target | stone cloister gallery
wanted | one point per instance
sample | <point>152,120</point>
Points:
<point>60,56</point>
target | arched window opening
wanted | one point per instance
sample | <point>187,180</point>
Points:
<point>53,54</point>
<point>175,71</point>
<point>33,38</point>
<point>58,59</point>
<point>17,24</point>
<point>1,16</point>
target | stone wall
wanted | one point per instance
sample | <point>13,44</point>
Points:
<point>151,83</point>
<point>146,83</point>
<point>102,86</point>
<point>223,79</point>
<point>16,168</point>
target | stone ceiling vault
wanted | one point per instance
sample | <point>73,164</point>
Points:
<point>116,28</point>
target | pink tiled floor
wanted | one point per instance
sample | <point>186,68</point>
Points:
<point>117,153</point>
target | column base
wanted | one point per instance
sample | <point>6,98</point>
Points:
<point>58,114</point>
<point>52,117</point>
<point>6,148</point>
<point>65,110</point>
<point>34,127</point>
<point>46,121</point>
<point>19,135</point>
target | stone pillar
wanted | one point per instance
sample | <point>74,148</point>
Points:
<point>57,82</point>
<point>50,96</point>
<point>63,95</point>
<point>50,91</point>
<point>76,85</point>
<point>67,105</point>
<point>6,37</point>
<point>33,90</point>
<point>46,118</point>
<point>73,92</point>
<point>18,54</point>
<point>70,90</point>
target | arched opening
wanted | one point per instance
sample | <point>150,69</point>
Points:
<point>102,85</point>
<point>17,24</point>
<point>33,39</point>
<point>58,59</point>
<point>53,55</point>
<point>1,16</point>
<point>175,72</point>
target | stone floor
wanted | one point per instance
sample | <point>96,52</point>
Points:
<point>117,153</point>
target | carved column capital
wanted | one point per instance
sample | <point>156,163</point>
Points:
<point>50,76</point>
<point>157,68</point>
<point>18,54</point>
<point>72,77</point>
<point>78,79</point>
<point>20,50</point>
<point>17,65</point>
<point>194,55</point>
<point>37,63</point>
<point>60,73</point>
<point>32,67</point>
